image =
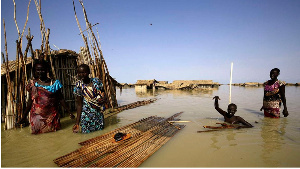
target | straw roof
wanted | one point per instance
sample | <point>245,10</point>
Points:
<point>146,82</point>
<point>12,65</point>
<point>163,82</point>
<point>64,52</point>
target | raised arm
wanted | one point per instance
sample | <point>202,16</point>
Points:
<point>222,112</point>
<point>282,94</point>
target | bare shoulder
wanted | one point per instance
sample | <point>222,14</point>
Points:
<point>239,118</point>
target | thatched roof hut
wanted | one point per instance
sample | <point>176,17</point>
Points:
<point>146,82</point>
<point>64,65</point>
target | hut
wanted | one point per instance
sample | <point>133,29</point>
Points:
<point>145,84</point>
<point>64,64</point>
<point>189,84</point>
<point>251,84</point>
<point>63,67</point>
<point>179,84</point>
<point>65,70</point>
<point>163,82</point>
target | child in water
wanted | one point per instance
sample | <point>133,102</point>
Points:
<point>229,116</point>
<point>90,99</point>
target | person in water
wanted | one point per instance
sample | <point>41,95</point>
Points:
<point>90,100</point>
<point>44,99</point>
<point>274,94</point>
<point>229,116</point>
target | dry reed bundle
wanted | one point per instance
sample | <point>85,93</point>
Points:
<point>16,86</point>
<point>216,128</point>
<point>95,57</point>
<point>150,148</point>
<point>20,79</point>
<point>124,128</point>
<point>10,111</point>
<point>114,111</point>
<point>90,152</point>
<point>103,138</point>
<point>102,151</point>
<point>146,142</point>
<point>223,126</point>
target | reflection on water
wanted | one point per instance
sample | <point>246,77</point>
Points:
<point>272,133</point>
<point>214,140</point>
<point>271,143</point>
<point>112,120</point>
<point>217,138</point>
<point>150,92</point>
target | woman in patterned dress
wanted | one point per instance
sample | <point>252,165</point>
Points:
<point>274,94</point>
<point>42,104</point>
<point>90,100</point>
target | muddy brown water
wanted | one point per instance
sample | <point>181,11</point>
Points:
<point>271,143</point>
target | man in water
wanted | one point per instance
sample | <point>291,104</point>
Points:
<point>229,116</point>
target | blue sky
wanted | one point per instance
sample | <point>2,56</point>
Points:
<point>188,39</point>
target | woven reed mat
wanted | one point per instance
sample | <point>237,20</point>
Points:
<point>147,136</point>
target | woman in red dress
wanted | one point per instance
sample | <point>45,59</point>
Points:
<point>44,99</point>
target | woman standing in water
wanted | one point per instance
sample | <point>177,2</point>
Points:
<point>90,100</point>
<point>274,94</point>
<point>44,98</point>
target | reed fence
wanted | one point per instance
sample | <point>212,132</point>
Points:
<point>62,67</point>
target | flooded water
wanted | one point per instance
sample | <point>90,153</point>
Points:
<point>271,143</point>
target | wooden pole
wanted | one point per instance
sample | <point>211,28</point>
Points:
<point>107,83</point>
<point>26,19</point>
<point>29,46</point>
<point>230,82</point>
<point>21,89</point>
<point>10,104</point>
<point>42,24</point>
<point>85,41</point>
<point>15,11</point>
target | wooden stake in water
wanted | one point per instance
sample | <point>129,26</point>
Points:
<point>230,82</point>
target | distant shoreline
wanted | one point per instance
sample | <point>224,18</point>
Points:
<point>247,84</point>
<point>256,84</point>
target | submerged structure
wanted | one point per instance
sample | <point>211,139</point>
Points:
<point>145,84</point>
<point>176,85</point>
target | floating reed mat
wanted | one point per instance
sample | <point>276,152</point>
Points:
<point>114,111</point>
<point>146,136</point>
